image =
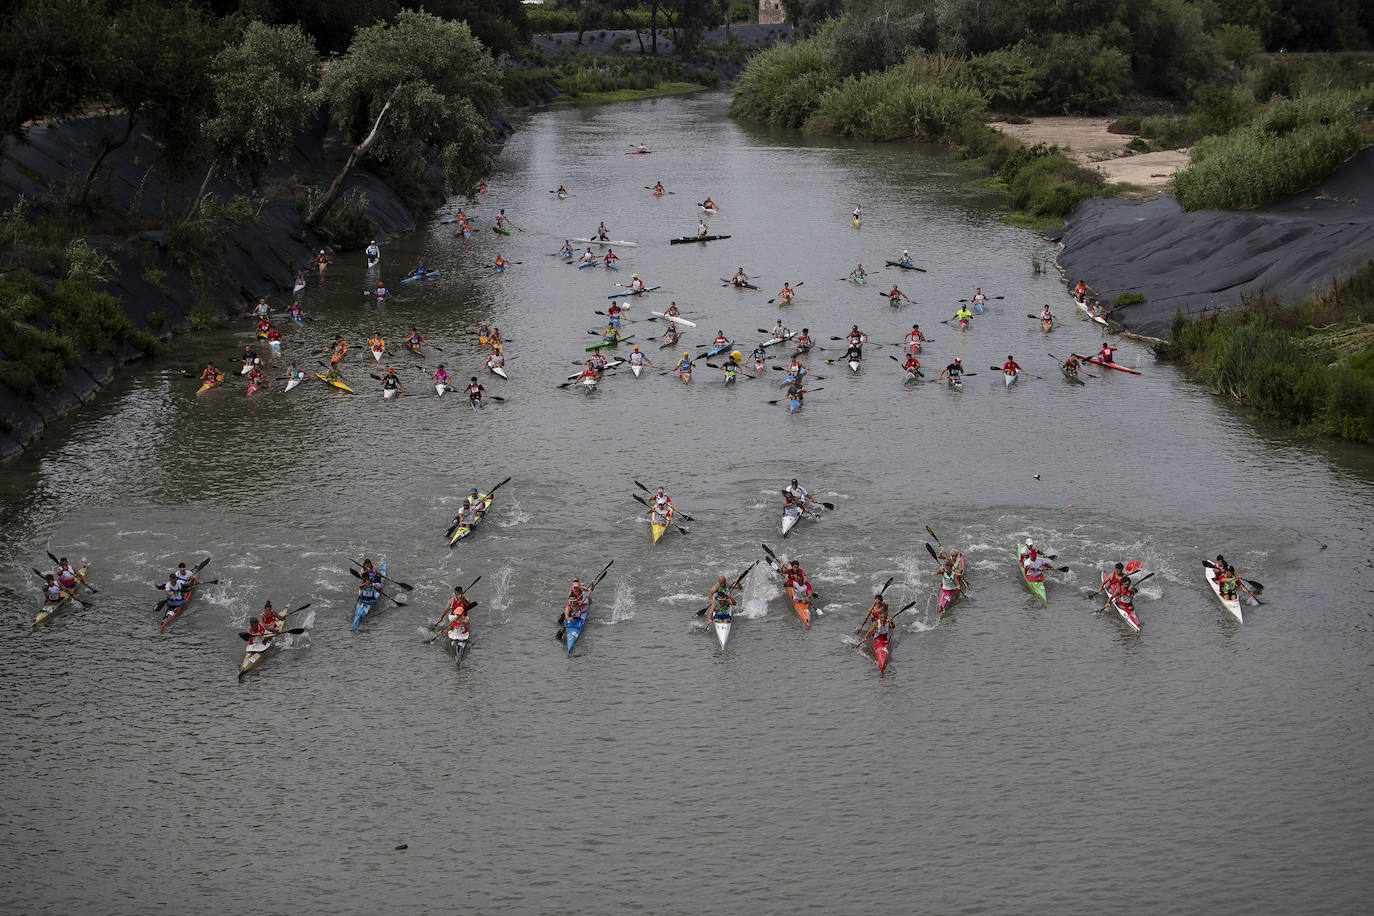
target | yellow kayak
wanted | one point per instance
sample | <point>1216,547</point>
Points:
<point>335,382</point>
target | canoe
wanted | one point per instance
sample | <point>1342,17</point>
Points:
<point>428,273</point>
<point>1127,614</point>
<point>633,292</point>
<point>606,242</point>
<point>173,613</point>
<point>905,266</point>
<point>498,230</point>
<point>1088,312</point>
<point>333,381</point>
<point>881,650</point>
<point>257,649</point>
<point>676,319</point>
<point>1036,588</point>
<point>1009,378</point>
<point>609,343</point>
<point>722,628</point>
<point>49,611</point>
<point>692,238</point>
<point>1102,362</point>
<point>639,152</point>
<point>298,285</point>
<point>363,607</point>
<point>1231,604</point>
<point>463,531</point>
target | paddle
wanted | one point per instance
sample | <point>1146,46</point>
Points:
<point>904,608</point>
<point>585,595</point>
<point>645,503</point>
<point>749,569</point>
<point>880,594</point>
<point>93,589</point>
<point>246,635</point>
<point>936,557</point>
<point>990,297</point>
<point>775,298</point>
<point>779,567</point>
<point>403,585</point>
<point>69,594</point>
<point>678,511</point>
<point>508,262</point>
<point>1109,597</point>
<point>1249,583</point>
<point>780,400</point>
<point>438,629</point>
<point>296,631</point>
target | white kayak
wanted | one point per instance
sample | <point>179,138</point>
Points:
<point>722,630</point>
<point>777,340</point>
<point>377,353</point>
<point>247,367</point>
<point>276,347</point>
<point>1009,378</point>
<point>636,369</point>
<point>389,393</point>
<point>675,318</point>
<point>440,388</point>
<point>788,521</point>
<point>604,242</point>
<point>588,385</point>
<point>853,365</point>
<point>498,370</point>
<point>292,383</point>
<point>1231,604</point>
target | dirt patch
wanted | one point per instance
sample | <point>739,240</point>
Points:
<point>1088,141</point>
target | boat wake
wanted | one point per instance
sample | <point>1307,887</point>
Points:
<point>623,604</point>
<point>513,515</point>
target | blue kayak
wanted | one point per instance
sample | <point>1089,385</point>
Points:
<point>720,349</point>
<point>428,273</point>
<point>365,605</point>
<point>572,630</point>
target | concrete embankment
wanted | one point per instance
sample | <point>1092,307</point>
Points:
<point>1212,259</point>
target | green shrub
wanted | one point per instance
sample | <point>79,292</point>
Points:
<point>1127,299</point>
<point>1052,185</point>
<point>1007,78</point>
<point>1218,110</point>
<point>1277,79</point>
<point>346,224</point>
<point>894,103</point>
<point>1239,44</point>
<point>768,89</point>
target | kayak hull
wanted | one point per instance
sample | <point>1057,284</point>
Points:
<point>947,597</point>
<point>1037,588</point>
<point>788,523</point>
<point>1125,613</point>
<point>463,531</point>
<point>1232,605</point>
<point>48,611</point>
<point>722,628</point>
<point>335,382</point>
<point>676,319</point>
<point>881,651</point>
<point>800,605</point>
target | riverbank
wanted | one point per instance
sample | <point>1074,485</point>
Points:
<point>1088,142</point>
<point>164,280</point>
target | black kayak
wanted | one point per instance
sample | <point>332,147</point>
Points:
<point>905,266</point>
<point>695,238</point>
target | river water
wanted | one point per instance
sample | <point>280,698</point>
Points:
<point>1014,759</point>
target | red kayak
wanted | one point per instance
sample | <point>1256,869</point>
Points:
<point>880,652</point>
<point>1101,362</point>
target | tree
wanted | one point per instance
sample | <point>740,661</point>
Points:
<point>264,89</point>
<point>418,83</point>
<point>47,49</point>
<point>807,15</point>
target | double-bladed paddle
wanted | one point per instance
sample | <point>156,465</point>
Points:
<point>403,585</point>
<point>903,609</point>
<point>678,511</point>
<point>246,636</point>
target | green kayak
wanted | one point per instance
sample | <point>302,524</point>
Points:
<point>608,343</point>
<point>1037,588</point>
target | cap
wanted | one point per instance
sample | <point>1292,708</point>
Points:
<point>794,481</point>
<point>441,365</point>
<point>1030,543</point>
<point>636,346</point>
<point>474,490</point>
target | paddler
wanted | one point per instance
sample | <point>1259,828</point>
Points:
<point>963,316</point>
<point>183,575</point>
<point>1071,365</point>
<point>611,335</point>
<point>376,343</point>
<point>740,278</point>
<point>949,583</point>
<point>856,340</point>
<point>52,592</point>
<point>660,514</point>
<point>370,572</point>
<point>567,250</point>
<point>498,264</point>
<point>562,191</point>
<point>795,370</point>
<point>759,357</point>
<point>338,350</point>
<point>708,203</point>
<point>68,575</point>
<point>610,259</point>
<point>684,366</point>
<point>671,311</point>
<point>269,620</point>
<point>374,253</point>
<point>294,372</point>
<point>905,259</point>
<point>1080,292</point>
<point>175,592</point>
<point>791,507</point>
<point>368,593</point>
<point>332,374</point>
<point>1047,318</point>
<point>589,375</point>
<point>249,356</point>
<point>895,296</point>
<point>496,360</point>
<point>1034,563</point>
<point>731,368</point>
<point>780,332</point>
<point>440,375</point>
<point>954,371</point>
<point>495,340</point>
<point>661,498</point>
<point>602,233</point>
<point>589,257</point>
<point>803,341</point>
<point>391,382</point>
<point>263,327</point>
<point>912,366</point>
<point>381,292</point>
<point>475,392</point>
<point>880,629</point>
<point>1114,583</point>
<point>785,294</point>
<point>484,333</point>
<point>414,340</point>
<point>577,603</point>
<point>720,339</point>
<point>464,228</point>
<point>658,187</point>
<point>211,375</point>
<point>796,577</point>
<point>858,273</point>
<point>670,336</point>
<point>1106,353</point>
<point>321,260</point>
<point>256,377</point>
<point>978,300</point>
<point>636,284</point>
<point>457,608</point>
<point>298,281</point>
<point>261,309</point>
<point>502,222</point>
<point>796,391</point>
<point>858,213</point>
<point>637,357</point>
<point>956,563</point>
<point>799,494</point>
<point>294,310</point>
<point>854,354</point>
<point>273,337</point>
<point>702,229</point>
<point>613,314</point>
<point>721,599</point>
<point>875,610</point>
<point>598,362</point>
<point>468,510</point>
<point>1011,366</point>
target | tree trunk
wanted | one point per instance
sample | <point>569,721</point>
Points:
<point>110,147</point>
<point>200,195</point>
<point>653,26</point>
<point>321,208</point>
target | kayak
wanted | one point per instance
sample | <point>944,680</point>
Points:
<point>956,384</point>
<point>1102,362</point>
<point>1127,614</point>
<point>720,348</point>
<point>253,389</point>
<point>1037,587</point>
<point>1231,604</point>
<point>854,365</point>
<point>633,292</point>
<point>789,521</point>
<point>1009,378</point>
<point>49,611</point>
<point>389,393</point>
<point>905,266</point>
<point>1071,376</point>
<point>377,353</point>
<point>365,606</point>
<point>794,405</point>
<point>498,230</point>
<point>1095,315</point>
<point>207,385</point>
<point>675,318</point>
<point>257,648</point>
<point>275,347</point>
<point>696,238</point>
<point>173,613</point>
<point>298,285</point>
<point>880,644</point>
<point>456,642</point>
<point>657,527</point>
<point>722,627</point>
<point>440,388</point>
<point>428,273</point>
<point>572,630</point>
<point>709,211</point>
<point>777,340</point>
<point>743,284</point>
<point>498,370</point>
<point>609,343</point>
<point>292,382</point>
<point>606,242</point>
<point>463,531</point>
<point>947,597</point>
<point>335,382</point>
<point>636,368</point>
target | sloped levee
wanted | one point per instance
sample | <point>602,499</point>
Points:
<point>1210,259</point>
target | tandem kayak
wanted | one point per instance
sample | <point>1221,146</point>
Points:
<point>789,521</point>
<point>463,531</point>
<point>881,650</point>
<point>365,606</point>
<point>800,605</point>
<point>1232,605</point>
<point>722,628</point>
<point>172,613</point>
<point>49,611</point>
<point>1036,586</point>
<point>696,238</point>
<point>257,649</point>
<point>1127,613</point>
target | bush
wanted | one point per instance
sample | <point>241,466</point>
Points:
<point>1239,44</point>
<point>768,89</point>
<point>899,102</point>
<point>346,224</point>
<point>1007,78</point>
<point>1127,299</point>
<point>1218,110</point>
<point>1052,185</point>
<point>1276,79</point>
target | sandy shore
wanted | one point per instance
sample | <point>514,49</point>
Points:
<point>1088,142</point>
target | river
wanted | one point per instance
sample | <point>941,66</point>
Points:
<point>1015,758</point>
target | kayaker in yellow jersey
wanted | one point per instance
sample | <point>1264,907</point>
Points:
<point>611,335</point>
<point>495,340</point>
<point>785,294</point>
<point>879,606</point>
<point>684,367</point>
<point>963,316</point>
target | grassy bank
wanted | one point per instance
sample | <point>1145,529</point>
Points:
<point>603,78</point>
<point>1310,364</point>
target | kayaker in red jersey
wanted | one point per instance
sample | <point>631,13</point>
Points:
<point>658,187</point>
<point>1071,365</point>
<point>912,365</point>
<point>1115,582</point>
<point>796,577</point>
<point>457,608</point>
<point>211,374</point>
<point>857,339</point>
<point>1081,291</point>
<point>896,295</point>
<point>881,627</point>
<point>1011,367</point>
<point>878,607</point>
<point>269,619</point>
<point>804,341</point>
<point>611,257</point>
<point>321,260</point>
<point>1105,354</point>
